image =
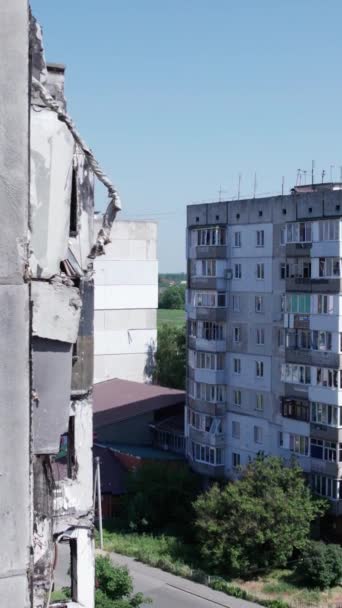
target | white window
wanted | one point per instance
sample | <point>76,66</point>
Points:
<point>323,413</point>
<point>283,235</point>
<point>237,335</point>
<point>236,303</point>
<point>209,299</point>
<point>214,393</point>
<point>237,366</point>
<point>236,460</point>
<point>207,454</point>
<point>327,486</point>
<point>208,330</point>
<point>236,429</point>
<point>259,402</point>
<point>259,304</point>
<point>260,268</point>
<point>299,232</point>
<point>259,369</point>
<point>296,374</point>
<point>260,238</point>
<point>325,304</point>
<point>258,434</point>
<point>329,267</point>
<point>209,361</point>
<point>208,268</point>
<point>281,338</point>
<point>211,236</point>
<point>237,271</point>
<point>237,239</point>
<point>260,336</point>
<point>299,444</point>
<point>237,398</point>
<point>329,230</point>
<point>328,377</point>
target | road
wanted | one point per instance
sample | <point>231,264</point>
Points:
<point>169,591</point>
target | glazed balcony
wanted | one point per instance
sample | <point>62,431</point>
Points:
<point>206,438</point>
<point>317,358</point>
<point>207,470</point>
<point>207,407</point>
<point>218,252</point>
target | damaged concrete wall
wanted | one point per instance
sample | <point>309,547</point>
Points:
<point>15,497</point>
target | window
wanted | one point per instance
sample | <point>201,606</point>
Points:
<point>283,236</point>
<point>321,340</point>
<point>298,268</point>
<point>323,413</point>
<point>236,460</point>
<point>73,225</point>
<point>281,439</point>
<point>260,268</point>
<point>208,330</point>
<point>211,236</point>
<point>237,366</point>
<point>221,299</point>
<point>214,393</point>
<point>258,434</point>
<point>203,422</point>
<point>260,238</point>
<point>283,270</point>
<point>259,369</point>
<point>299,232</point>
<point>237,335</point>
<point>304,339</point>
<point>329,267</point>
<point>329,230</point>
<point>236,429</point>
<point>328,377</point>
<point>206,454</point>
<point>296,374</point>
<point>237,239</point>
<point>209,361</point>
<point>326,486</point>
<point>299,444</point>
<point>316,448</point>
<point>237,398</point>
<point>298,303</point>
<point>259,402</point>
<point>325,304</point>
<point>209,299</point>
<point>296,409</point>
<point>281,338</point>
<point>208,268</point>
<point>236,303</point>
<point>237,271</point>
<point>259,304</point>
<point>260,337</point>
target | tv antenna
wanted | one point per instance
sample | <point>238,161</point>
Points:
<point>220,192</point>
<point>312,172</point>
<point>323,174</point>
<point>239,186</point>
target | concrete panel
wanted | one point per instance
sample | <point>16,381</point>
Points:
<point>249,247</point>
<point>82,242</point>
<point>125,319</point>
<point>127,367</point>
<point>248,377</point>
<point>284,209</point>
<point>124,341</point>
<point>197,215</point>
<point>126,296</point>
<point>51,384</point>
<point>83,360</point>
<point>133,231</point>
<point>249,281</point>
<point>332,205</point>
<point>56,311</point>
<point>260,210</point>
<point>132,250</point>
<point>132,272</point>
<point>217,213</point>
<point>52,149</point>
<point>309,205</point>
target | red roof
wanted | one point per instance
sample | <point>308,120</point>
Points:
<point>116,400</point>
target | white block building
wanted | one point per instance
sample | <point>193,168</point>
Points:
<point>126,302</point>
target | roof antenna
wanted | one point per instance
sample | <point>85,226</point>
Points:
<point>255,185</point>
<point>299,177</point>
<point>282,185</point>
<point>312,172</point>
<point>305,172</point>
<point>323,174</point>
<point>239,186</point>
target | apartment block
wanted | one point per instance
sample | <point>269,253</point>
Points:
<point>264,321</point>
<point>126,302</point>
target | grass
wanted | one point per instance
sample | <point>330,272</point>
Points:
<point>171,554</point>
<point>59,596</point>
<point>176,318</point>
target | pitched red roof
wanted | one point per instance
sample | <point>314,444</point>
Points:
<point>116,400</point>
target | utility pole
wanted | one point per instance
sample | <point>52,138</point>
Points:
<point>97,491</point>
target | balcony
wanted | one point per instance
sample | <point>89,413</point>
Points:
<point>208,470</point>
<point>324,467</point>
<point>313,357</point>
<point>322,431</point>
<point>216,283</point>
<point>214,441</point>
<point>212,346</point>
<point>211,252</point>
<point>314,284</point>
<point>206,407</point>
<point>297,249</point>
<point>206,313</point>
<point>210,376</point>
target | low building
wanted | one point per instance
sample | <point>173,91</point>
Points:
<point>126,302</point>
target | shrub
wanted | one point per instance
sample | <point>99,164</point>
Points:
<point>321,565</point>
<point>114,586</point>
<point>257,521</point>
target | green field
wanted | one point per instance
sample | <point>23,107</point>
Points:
<point>176,318</point>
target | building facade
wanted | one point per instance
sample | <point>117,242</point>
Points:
<point>126,302</point>
<point>264,334</point>
<point>46,293</point>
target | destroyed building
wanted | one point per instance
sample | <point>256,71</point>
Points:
<point>47,248</point>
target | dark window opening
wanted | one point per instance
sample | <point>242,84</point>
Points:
<point>71,456</point>
<point>337,207</point>
<point>238,216</point>
<point>197,219</point>
<point>217,217</point>
<point>284,211</point>
<point>74,205</point>
<point>74,353</point>
<point>310,209</point>
<point>260,213</point>
<point>294,408</point>
<point>73,569</point>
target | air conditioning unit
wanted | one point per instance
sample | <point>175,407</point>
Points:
<point>228,273</point>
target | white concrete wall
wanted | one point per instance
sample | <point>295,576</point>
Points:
<point>126,302</point>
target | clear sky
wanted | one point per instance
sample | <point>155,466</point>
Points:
<point>177,97</point>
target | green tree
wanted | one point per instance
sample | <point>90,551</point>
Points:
<point>321,565</point>
<point>170,357</point>
<point>114,587</point>
<point>160,497</point>
<point>173,297</point>
<point>257,521</point>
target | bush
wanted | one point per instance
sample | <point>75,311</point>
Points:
<point>321,565</point>
<point>114,586</point>
<point>173,297</point>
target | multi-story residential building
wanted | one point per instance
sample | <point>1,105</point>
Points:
<point>126,302</point>
<point>264,317</point>
<point>48,246</point>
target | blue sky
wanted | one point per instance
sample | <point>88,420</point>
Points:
<point>177,97</point>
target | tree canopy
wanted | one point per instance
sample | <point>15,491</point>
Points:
<point>259,520</point>
<point>170,357</point>
<point>173,297</point>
